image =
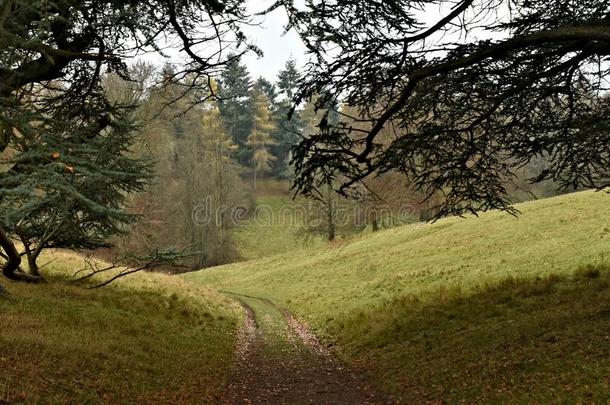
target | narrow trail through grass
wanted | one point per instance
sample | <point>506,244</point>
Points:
<point>493,309</point>
<point>281,362</point>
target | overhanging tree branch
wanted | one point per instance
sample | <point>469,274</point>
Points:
<point>466,111</point>
<point>560,35</point>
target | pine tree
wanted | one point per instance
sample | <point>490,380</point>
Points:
<point>269,89</point>
<point>260,139</point>
<point>288,80</point>
<point>68,180</point>
<point>288,130</point>
<point>236,107</point>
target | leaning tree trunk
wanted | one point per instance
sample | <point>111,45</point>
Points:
<point>32,256</point>
<point>13,259</point>
<point>33,265</point>
<point>10,269</point>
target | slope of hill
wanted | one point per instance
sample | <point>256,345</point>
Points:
<point>275,225</point>
<point>493,308</point>
<point>148,338</point>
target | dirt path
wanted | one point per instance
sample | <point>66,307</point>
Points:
<point>281,362</point>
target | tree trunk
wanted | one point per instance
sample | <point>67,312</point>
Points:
<point>255,178</point>
<point>331,225</point>
<point>332,228</point>
<point>32,257</point>
<point>33,266</point>
<point>11,267</point>
<point>13,259</point>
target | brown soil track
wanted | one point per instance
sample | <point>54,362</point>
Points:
<point>298,370</point>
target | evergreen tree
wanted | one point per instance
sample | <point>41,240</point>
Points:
<point>260,139</point>
<point>269,89</point>
<point>64,46</point>
<point>477,106</point>
<point>288,130</point>
<point>66,185</point>
<point>288,80</point>
<point>235,106</point>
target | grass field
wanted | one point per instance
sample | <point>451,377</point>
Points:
<point>275,225</point>
<point>149,338</point>
<point>494,308</point>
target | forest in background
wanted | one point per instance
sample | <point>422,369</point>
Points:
<point>209,152</point>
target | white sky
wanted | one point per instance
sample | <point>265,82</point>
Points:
<point>268,34</point>
<point>276,45</point>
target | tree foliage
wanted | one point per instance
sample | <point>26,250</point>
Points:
<point>289,121</point>
<point>235,106</point>
<point>196,185</point>
<point>473,95</point>
<point>53,55</point>
<point>260,140</point>
<point>67,185</point>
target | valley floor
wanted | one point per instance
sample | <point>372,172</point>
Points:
<point>493,309</point>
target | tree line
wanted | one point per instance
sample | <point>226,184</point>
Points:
<point>206,155</point>
<point>460,117</point>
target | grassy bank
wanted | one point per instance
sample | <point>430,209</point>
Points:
<point>149,338</point>
<point>472,309</point>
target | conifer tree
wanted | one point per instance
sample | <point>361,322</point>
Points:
<point>269,89</point>
<point>484,88</point>
<point>289,126</point>
<point>260,139</point>
<point>236,107</point>
<point>67,181</point>
<point>52,58</point>
<point>288,80</point>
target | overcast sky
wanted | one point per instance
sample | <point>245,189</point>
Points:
<point>268,35</point>
<point>277,46</point>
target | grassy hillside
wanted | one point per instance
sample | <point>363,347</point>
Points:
<point>149,338</point>
<point>490,308</point>
<point>274,226</point>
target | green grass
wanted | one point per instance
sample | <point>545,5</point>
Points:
<point>149,338</point>
<point>520,341</point>
<point>466,309</point>
<point>275,224</point>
